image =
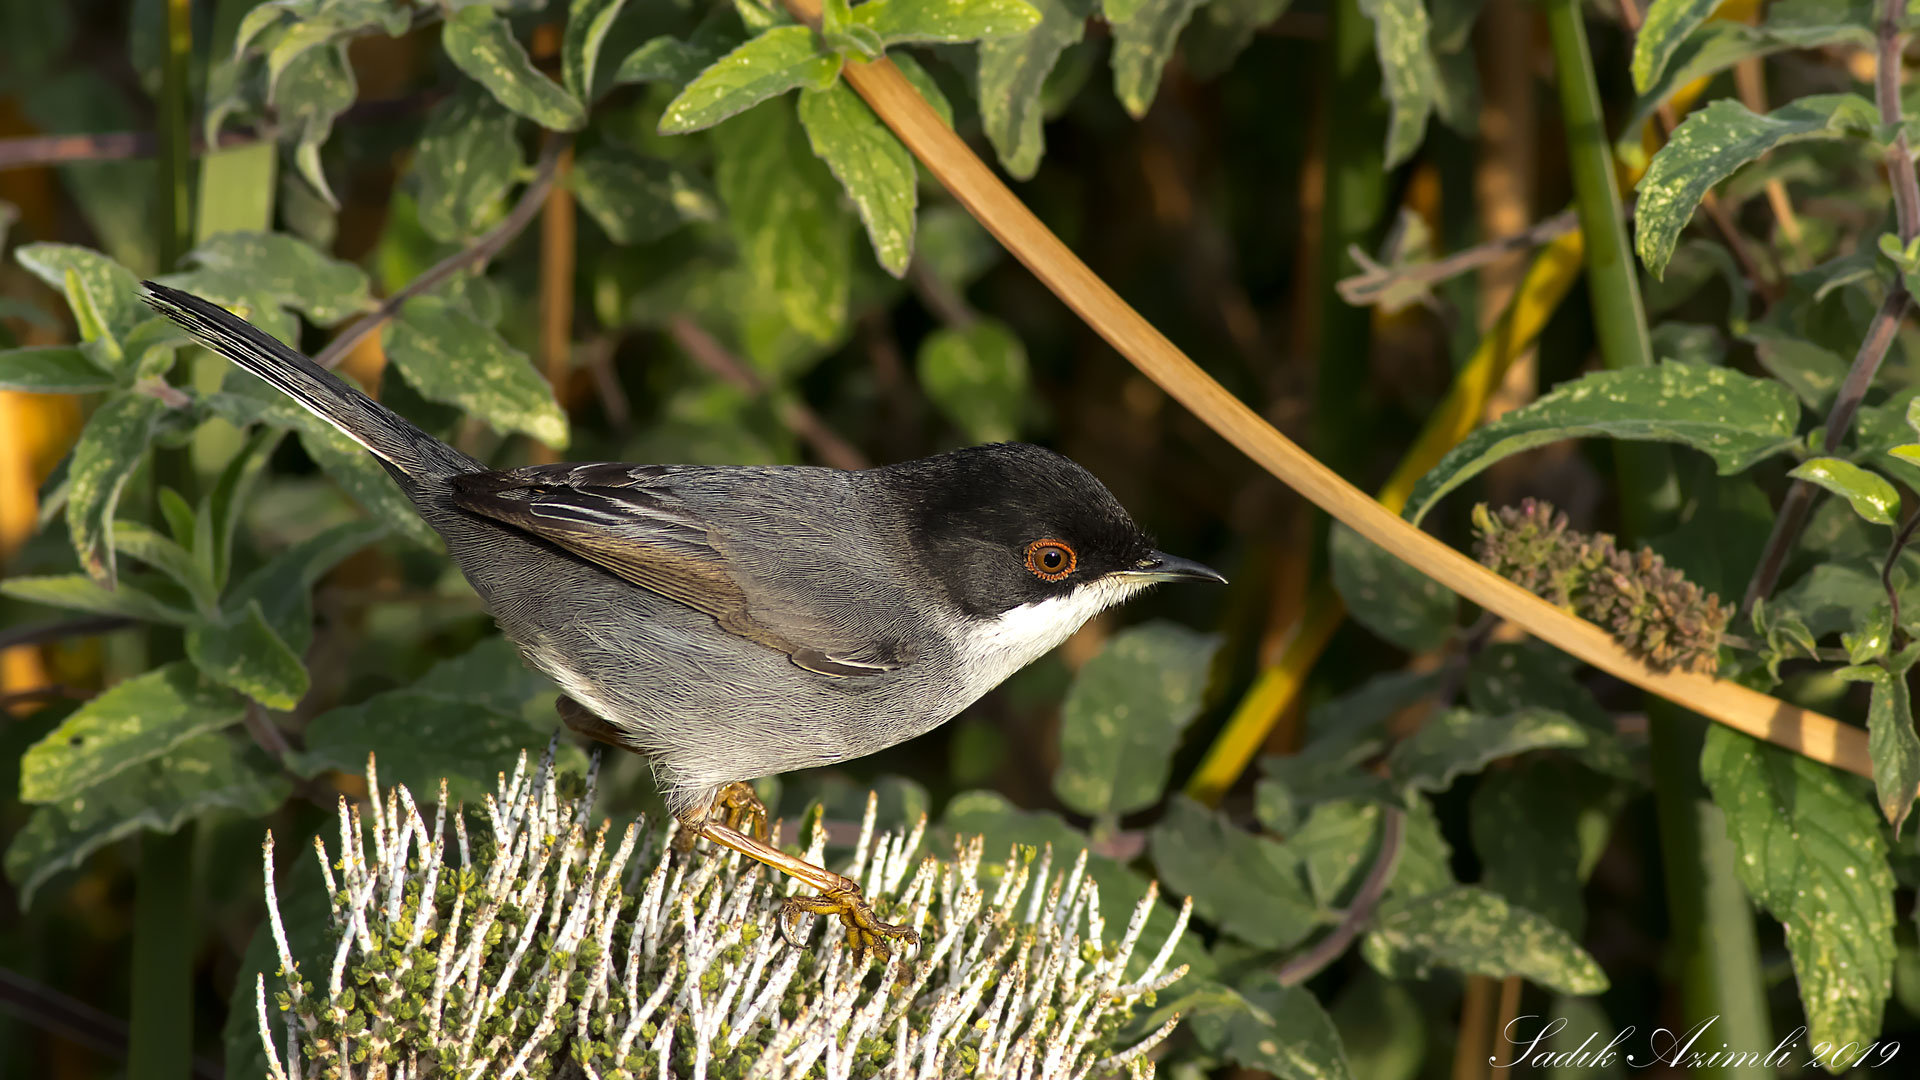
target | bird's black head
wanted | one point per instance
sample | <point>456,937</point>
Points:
<point>1009,524</point>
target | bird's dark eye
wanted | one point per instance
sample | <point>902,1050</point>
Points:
<point>1051,560</point>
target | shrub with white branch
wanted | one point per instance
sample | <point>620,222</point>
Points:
<point>533,950</point>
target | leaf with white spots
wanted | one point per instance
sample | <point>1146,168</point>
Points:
<point>1460,741</point>
<point>290,272</point>
<point>1810,851</point>
<point>1477,932</point>
<point>111,448</point>
<point>1278,1030</point>
<point>1871,496</point>
<point>113,290</point>
<point>1713,143</point>
<point>1668,22</point>
<point>1247,885</point>
<point>204,774</point>
<point>877,172</point>
<point>482,44</point>
<point>1539,829</point>
<point>52,369</point>
<point>1013,70</point>
<point>450,357</point>
<point>1125,714</point>
<point>1388,597</point>
<point>946,21</point>
<point>244,653</point>
<point>1736,419</point>
<point>464,163</point>
<point>316,88</point>
<point>1891,740</point>
<point>1142,44</point>
<point>131,722</point>
<point>765,66</point>
<point>587,24</point>
<point>793,236</point>
<point>636,199</point>
<point>1409,73</point>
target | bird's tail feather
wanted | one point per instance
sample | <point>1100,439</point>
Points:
<point>409,453</point>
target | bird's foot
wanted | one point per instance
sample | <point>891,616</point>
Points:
<point>739,806</point>
<point>867,936</point>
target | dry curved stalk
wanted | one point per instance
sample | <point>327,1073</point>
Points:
<point>902,109</point>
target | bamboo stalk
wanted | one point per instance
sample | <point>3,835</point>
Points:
<point>949,159</point>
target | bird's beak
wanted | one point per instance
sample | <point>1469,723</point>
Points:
<point>1160,566</point>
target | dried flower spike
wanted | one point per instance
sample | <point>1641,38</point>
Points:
<point>560,951</point>
<point>1655,613</point>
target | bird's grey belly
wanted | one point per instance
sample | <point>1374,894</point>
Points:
<point>706,706</point>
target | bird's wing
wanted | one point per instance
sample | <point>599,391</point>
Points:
<point>632,520</point>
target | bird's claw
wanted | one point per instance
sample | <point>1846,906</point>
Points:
<point>739,806</point>
<point>867,936</point>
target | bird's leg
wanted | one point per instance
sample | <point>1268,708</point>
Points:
<point>739,806</point>
<point>866,934</point>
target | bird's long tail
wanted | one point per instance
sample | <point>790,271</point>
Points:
<point>410,454</point>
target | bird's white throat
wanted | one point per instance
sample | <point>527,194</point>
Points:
<point>993,649</point>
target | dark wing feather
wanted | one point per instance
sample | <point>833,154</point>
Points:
<point>626,519</point>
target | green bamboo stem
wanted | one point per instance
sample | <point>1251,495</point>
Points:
<point>1710,918</point>
<point>160,1027</point>
<point>1354,147</point>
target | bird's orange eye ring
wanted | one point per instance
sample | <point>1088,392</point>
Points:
<point>1051,560</point>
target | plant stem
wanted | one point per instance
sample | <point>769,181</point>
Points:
<point>477,254</point>
<point>1880,333</point>
<point>161,1042</point>
<point>1354,131</point>
<point>1327,949</point>
<point>176,152</point>
<point>1375,281</point>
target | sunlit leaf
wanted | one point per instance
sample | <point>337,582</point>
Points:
<point>243,652</point>
<point>1872,497</point>
<point>140,718</point>
<point>587,24</point>
<point>481,43</point>
<point>111,447</point>
<point>877,172</point>
<point>52,369</point>
<point>1013,70</point>
<point>950,21</point>
<point>1810,851</point>
<point>770,64</point>
<point>1123,719</point>
<point>449,356</point>
<point>1477,932</point>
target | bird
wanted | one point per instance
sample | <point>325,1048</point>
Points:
<point>735,622</point>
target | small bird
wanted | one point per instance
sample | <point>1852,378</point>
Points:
<point>733,622</point>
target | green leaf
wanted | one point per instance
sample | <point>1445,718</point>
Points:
<point>1668,22</point>
<point>315,89</point>
<point>467,720</point>
<point>1124,716</point>
<point>1735,419</point>
<point>877,172</point>
<point>670,60</point>
<point>977,378</point>
<point>587,24</point>
<point>930,91</point>
<point>170,558</point>
<point>1539,829</point>
<point>79,592</point>
<point>947,21</point>
<point>1408,71</point>
<point>1246,885</point>
<point>247,400</point>
<point>111,448</point>
<point>52,369</point>
<point>640,199</point>
<point>223,504</point>
<point>114,291</point>
<point>1462,741</point>
<point>132,722</point>
<point>1387,596</point>
<point>244,653</point>
<point>1811,853</point>
<point>1012,73</point>
<point>766,66</point>
<point>784,209</point>
<point>1477,932</point>
<point>1223,30</point>
<point>1279,1030</point>
<point>449,356</point>
<point>1142,43</point>
<point>481,44</point>
<point>290,271</point>
<point>1891,741</point>
<point>1870,496</point>
<point>1813,372</point>
<point>1711,144</point>
<point>194,778</point>
<point>1340,842</point>
<point>282,587</point>
<point>466,161</point>
<point>1504,678</point>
